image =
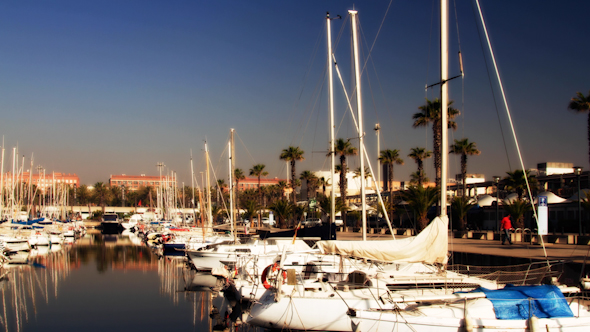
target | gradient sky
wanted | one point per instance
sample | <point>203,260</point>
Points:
<point>114,87</point>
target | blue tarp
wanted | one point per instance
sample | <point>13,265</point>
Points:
<point>519,302</point>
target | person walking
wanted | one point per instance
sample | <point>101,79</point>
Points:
<point>506,227</point>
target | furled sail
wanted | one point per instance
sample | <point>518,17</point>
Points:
<point>430,246</point>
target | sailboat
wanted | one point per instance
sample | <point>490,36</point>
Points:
<point>406,296</point>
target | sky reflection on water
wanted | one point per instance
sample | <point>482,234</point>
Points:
<point>97,285</point>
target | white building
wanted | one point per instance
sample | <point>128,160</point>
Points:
<point>550,168</point>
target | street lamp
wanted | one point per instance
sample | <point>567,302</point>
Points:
<point>497,182</point>
<point>578,172</point>
<point>378,186</point>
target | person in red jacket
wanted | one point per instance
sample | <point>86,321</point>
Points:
<point>506,227</point>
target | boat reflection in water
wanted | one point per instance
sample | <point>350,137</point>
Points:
<point>110,282</point>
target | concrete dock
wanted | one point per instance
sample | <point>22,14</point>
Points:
<point>555,251</point>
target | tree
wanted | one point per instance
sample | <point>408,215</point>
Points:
<point>418,155</point>
<point>238,176</point>
<point>283,209</point>
<point>516,209</point>
<point>258,171</point>
<point>323,182</point>
<point>581,104</point>
<point>389,158</point>
<point>219,189</point>
<point>83,195</point>
<point>459,207</point>
<point>464,148</point>
<point>292,154</point>
<point>430,113</point>
<point>343,149</point>
<point>100,194</point>
<point>516,182</point>
<point>420,200</point>
<point>310,181</point>
<point>418,178</point>
<point>251,210</point>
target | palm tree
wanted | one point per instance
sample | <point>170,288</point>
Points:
<point>258,171</point>
<point>238,176</point>
<point>516,209</point>
<point>100,194</point>
<point>323,182</point>
<point>430,113</point>
<point>357,172</point>
<point>252,208</point>
<point>418,178</point>
<point>420,200</point>
<point>464,148</point>
<point>292,154</point>
<point>283,209</point>
<point>220,186</point>
<point>419,154</point>
<point>459,207</point>
<point>581,104</point>
<point>516,182</point>
<point>282,185</point>
<point>310,180</point>
<point>343,149</point>
<point>389,158</point>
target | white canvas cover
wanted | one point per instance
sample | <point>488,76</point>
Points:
<point>430,246</point>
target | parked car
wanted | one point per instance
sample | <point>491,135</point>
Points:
<point>312,222</point>
<point>338,221</point>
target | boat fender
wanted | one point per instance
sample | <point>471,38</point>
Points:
<point>273,268</point>
<point>533,323</point>
<point>468,323</point>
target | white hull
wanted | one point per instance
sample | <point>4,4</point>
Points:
<point>372,321</point>
<point>14,245</point>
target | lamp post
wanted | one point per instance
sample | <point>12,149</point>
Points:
<point>497,182</point>
<point>377,131</point>
<point>578,172</point>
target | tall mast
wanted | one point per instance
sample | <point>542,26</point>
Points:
<point>353,13</point>
<point>2,182</point>
<point>444,91</point>
<point>30,194</point>
<point>232,189</point>
<point>332,152</point>
<point>209,215</point>
<point>193,187</point>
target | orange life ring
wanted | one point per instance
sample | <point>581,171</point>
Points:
<point>274,267</point>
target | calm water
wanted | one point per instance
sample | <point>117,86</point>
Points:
<point>109,283</point>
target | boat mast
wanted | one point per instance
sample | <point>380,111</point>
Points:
<point>444,96</point>
<point>357,73</point>
<point>193,187</point>
<point>209,215</point>
<point>231,182</point>
<point>332,152</point>
<point>2,182</point>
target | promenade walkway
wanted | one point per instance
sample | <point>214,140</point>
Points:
<point>570,252</point>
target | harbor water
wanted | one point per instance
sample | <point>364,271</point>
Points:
<point>117,283</point>
<point>108,283</point>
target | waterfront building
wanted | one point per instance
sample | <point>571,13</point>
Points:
<point>252,183</point>
<point>134,182</point>
<point>42,180</point>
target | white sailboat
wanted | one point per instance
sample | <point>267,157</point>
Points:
<point>380,302</point>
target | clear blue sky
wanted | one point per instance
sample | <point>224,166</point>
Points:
<point>114,87</point>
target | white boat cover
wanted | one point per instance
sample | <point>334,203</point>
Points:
<point>430,246</point>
